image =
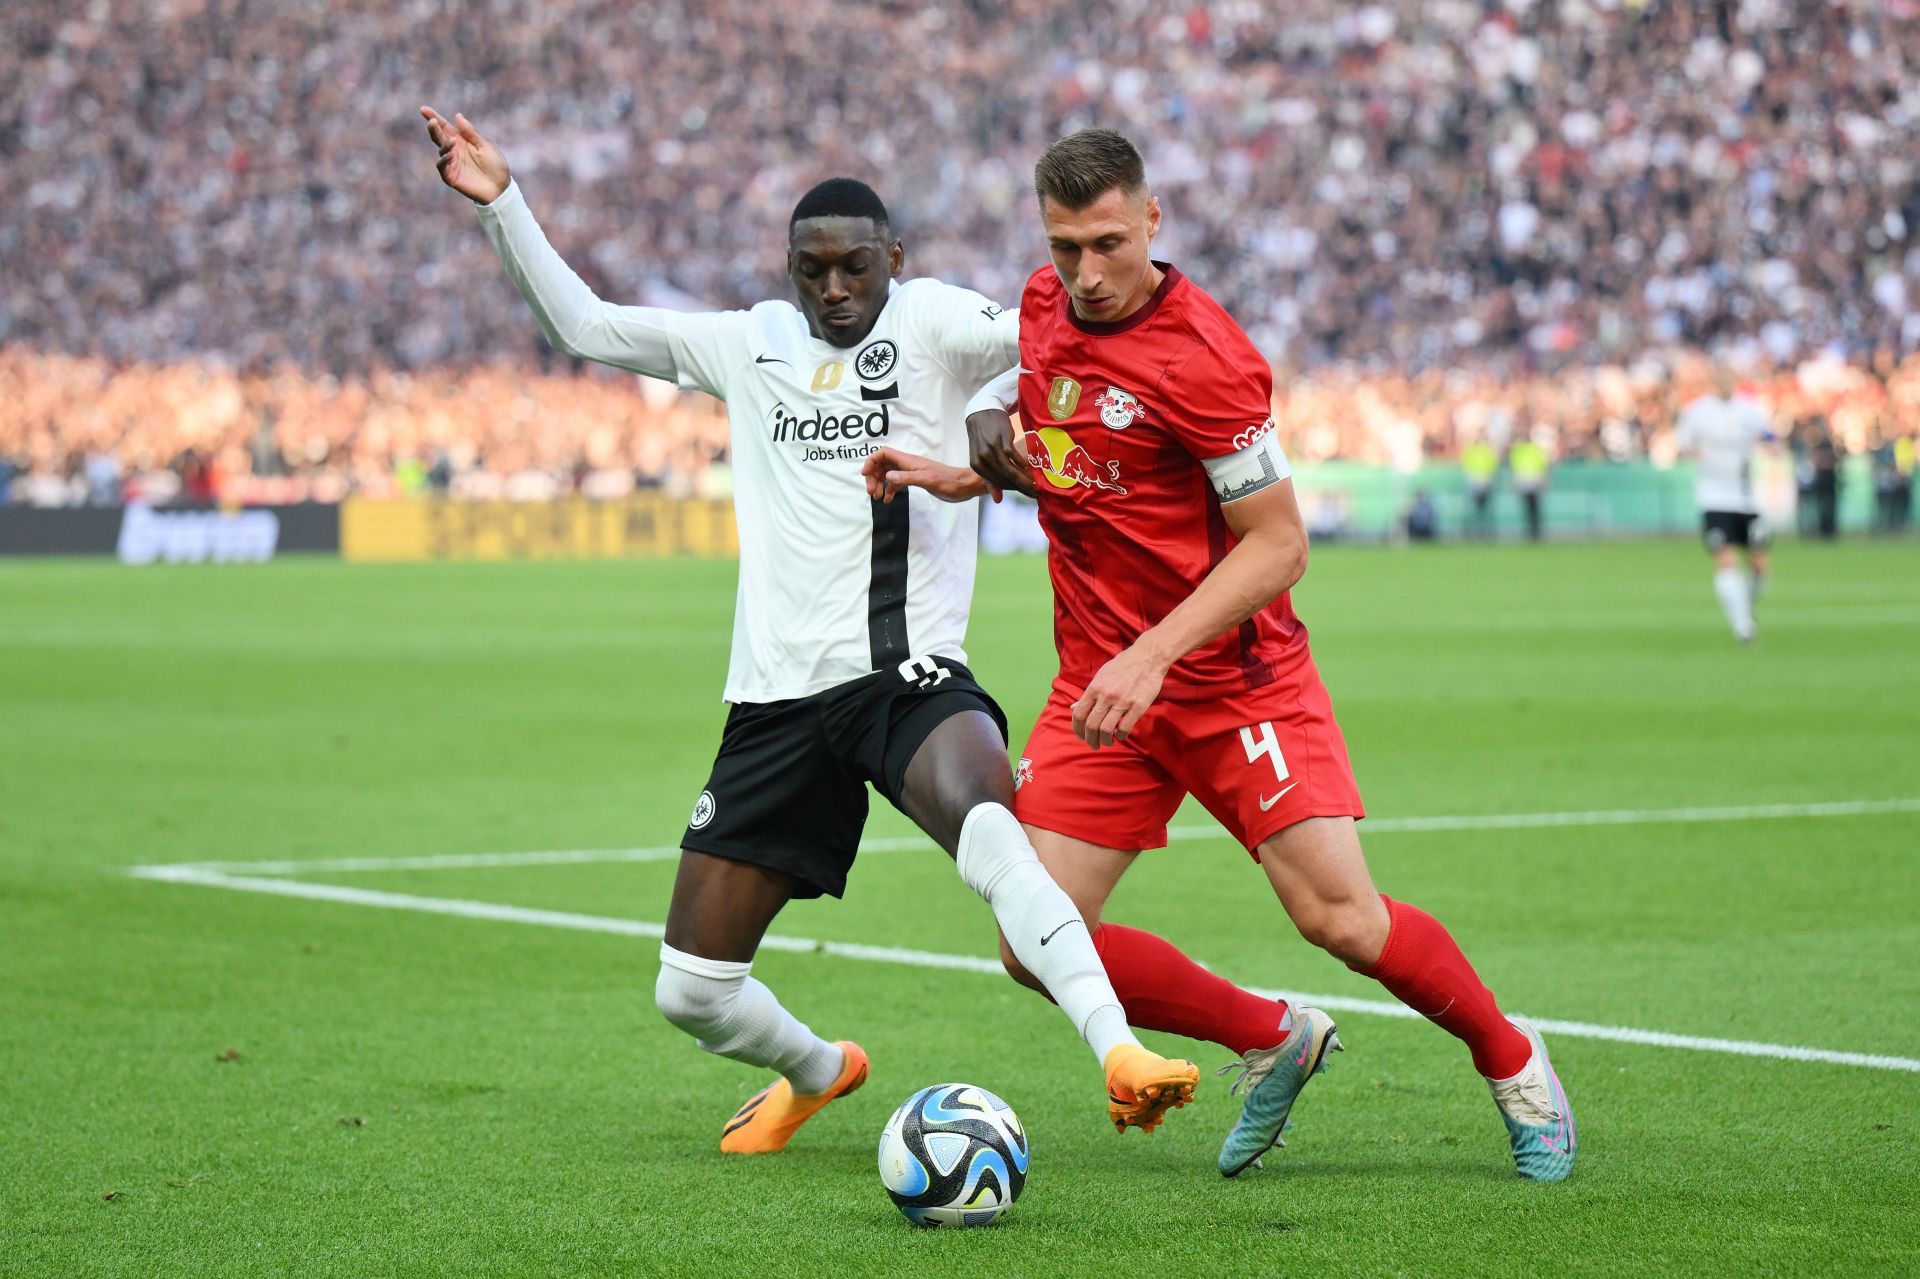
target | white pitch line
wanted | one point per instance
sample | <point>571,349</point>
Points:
<point>908,843</point>
<point>963,963</point>
<point>1639,816</point>
<point>482,861</point>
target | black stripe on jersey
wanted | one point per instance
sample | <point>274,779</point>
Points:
<point>887,593</point>
<point>891,391</point>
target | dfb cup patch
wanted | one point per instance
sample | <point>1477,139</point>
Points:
<point>702,810</point>
<point>876,360</point>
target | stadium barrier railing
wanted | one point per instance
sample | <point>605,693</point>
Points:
<point>140,534</point>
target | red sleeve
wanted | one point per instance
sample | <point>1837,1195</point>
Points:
<point>1036,314</point>
<point>1219,398</point>
<point>1036,305</point>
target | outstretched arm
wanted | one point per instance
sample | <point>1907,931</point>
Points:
<point>640,339</point>
<point>889,470</point>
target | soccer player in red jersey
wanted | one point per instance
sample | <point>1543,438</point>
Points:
<point>1173,540</point>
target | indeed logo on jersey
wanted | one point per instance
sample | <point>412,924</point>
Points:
<point>850,433</point>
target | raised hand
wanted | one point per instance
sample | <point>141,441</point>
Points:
<point>889,470</point>
<point>469,163</point>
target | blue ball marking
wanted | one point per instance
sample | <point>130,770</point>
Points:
<point>986,1160</point>
<point>934,1109</point>
<point>916,1182</point>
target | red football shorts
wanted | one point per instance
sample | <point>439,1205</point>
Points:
<point>1258,760</point>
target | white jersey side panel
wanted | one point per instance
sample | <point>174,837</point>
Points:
<point>1723,433</point>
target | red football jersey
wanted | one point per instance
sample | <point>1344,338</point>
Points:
<point>1118,417</point>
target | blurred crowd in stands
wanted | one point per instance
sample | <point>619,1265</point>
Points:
<point>81,430</point>
<point>232,271</point>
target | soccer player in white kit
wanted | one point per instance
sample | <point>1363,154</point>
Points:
<point>1722,432</point>
<point>847,666</point>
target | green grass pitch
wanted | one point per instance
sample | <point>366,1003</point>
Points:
<point>208,1082</point>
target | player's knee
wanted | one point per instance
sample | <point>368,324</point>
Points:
<point>1346,930</point>
<point>697,1002</point>
<point>992,850</point>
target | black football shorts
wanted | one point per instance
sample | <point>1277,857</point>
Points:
<point>1733,528</point>
<point>789,787</point>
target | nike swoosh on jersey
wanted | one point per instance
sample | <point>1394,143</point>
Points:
<point>1267,802</point>
<point>769,359</point>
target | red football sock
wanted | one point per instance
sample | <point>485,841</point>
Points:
<point>1161,989</point>
<point>1423,967</point>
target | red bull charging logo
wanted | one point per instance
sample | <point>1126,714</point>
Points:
<point>1052,452</point>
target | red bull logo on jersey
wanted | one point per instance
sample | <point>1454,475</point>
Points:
<point>1119,409</point>
<point>1065,464</point>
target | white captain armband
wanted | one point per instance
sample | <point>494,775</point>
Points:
<point>1258,465</point>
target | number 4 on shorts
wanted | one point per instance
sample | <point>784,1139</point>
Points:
<point>1260,741</point>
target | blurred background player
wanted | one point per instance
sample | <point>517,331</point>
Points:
<point>1722,431</point>
<point>1151,448</point>
<point>847,667</point>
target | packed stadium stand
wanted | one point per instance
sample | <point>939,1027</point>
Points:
<point>233,274</point>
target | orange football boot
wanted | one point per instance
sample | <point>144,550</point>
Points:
<point>770,1117</point>
<point>1143,1086</point>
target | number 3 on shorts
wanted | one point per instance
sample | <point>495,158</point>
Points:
<point>1259,740</point>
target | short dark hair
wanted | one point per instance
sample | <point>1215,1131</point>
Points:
<point>841,198</point>
<point>1083,166</point>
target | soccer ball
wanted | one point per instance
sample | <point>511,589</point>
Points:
<point>953,1155</point>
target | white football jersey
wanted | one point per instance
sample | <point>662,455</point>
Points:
<point>833,585</point>
<point>1723,433</point>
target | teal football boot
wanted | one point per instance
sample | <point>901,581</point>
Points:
<point>1538,1116</point>
<point>1272,1079</point>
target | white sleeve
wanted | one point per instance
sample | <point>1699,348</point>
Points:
<point>1001,393</point>
<point>694,349</point>
<point>972,336</point>
<point>1685,428</point>
<point>1257,467</point>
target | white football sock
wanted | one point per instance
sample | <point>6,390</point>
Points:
<point>733,1015</point>
<point>1731,586</point>
<point>1041,923</point>
<point>1756,584</point>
